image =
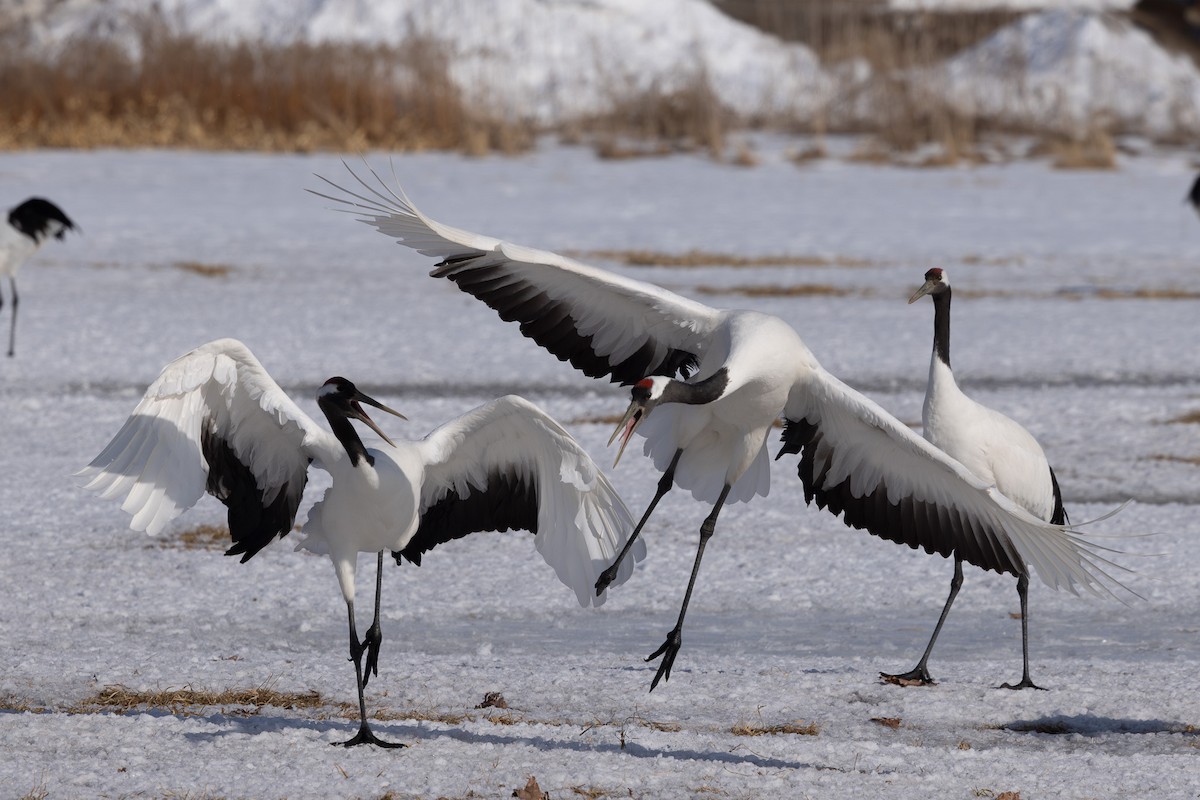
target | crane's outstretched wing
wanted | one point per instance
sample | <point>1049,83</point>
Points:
<point>602,323</point>
<point>213,421</point>
<point>858,460</point>
<point>508,464</point>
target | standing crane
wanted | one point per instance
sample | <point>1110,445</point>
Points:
<point>994,448</point>
<point>721,379</point>
<point>215,421</point>
<point>28,227</point>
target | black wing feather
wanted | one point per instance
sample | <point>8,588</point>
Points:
<point>549,323</point>
<point>253,524</point>
<point>916,523</point>
<point>508,503</point>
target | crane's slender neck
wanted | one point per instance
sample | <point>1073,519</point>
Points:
<point>697,393</point>
<point>345,433</point>
<point>941,326</point>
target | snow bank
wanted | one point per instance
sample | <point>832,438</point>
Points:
<point>529,58</point>
<point>1068,69</point>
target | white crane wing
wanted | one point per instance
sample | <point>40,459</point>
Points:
<point>602,323</point>
<point>507,464</point>
<point>213,421</point>
<point>858,460</point>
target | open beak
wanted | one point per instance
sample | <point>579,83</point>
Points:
<point>628,424</point>
<point>924,290</point>
<point>362,415</point>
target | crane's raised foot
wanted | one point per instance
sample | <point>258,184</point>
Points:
<point>370,646</point>
<point>607,577</point>
<point>668,650</point>
<point>917,676</point>
<point>1026,683</point>
<point>366,736</point>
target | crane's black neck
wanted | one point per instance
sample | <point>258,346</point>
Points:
<point>345,433</point>
<point>941,325</point>
<point>697,393</point>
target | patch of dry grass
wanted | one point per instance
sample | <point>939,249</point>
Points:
<point>656,120</point>
<point>1190,418</point>
<point>192,702</point>
<point>1192,460</point>
<point>1092,150</point>
<point>794,290</point>
<point>703,258</point>
<point>201,537</point>
<point>798,728</point>
<point>182,91</point>
<point>16,705</point>
<point>204,270</point>
<point>887,722</point>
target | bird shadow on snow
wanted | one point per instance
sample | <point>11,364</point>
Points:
<point>1086,725</point>
<point>416,734</point>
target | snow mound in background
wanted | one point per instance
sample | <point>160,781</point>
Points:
<point>1069,68</point>
<point>548,61</point>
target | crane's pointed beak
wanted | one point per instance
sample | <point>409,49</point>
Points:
<point>924,290</point>
<point>359,397</point>
<point>628,424</point>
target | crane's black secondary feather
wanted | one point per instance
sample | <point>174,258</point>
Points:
<point>916,523</point>
<point>509,503</point>
<point>253,523</point>
<point>549,323</point>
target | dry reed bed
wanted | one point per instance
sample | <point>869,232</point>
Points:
<point>183,92</point>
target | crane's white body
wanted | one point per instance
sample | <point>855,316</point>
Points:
<point>608,324</point>
<point>15,249</point>
<point>157,463</point>
<point>725,441</point>
<point>993,447</point>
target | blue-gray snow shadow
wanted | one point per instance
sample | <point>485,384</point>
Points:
<point>416,733</point>
<point>1086,725</point>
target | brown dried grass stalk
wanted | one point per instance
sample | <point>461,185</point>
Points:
<point>182,91</point>
<point>798,728</point>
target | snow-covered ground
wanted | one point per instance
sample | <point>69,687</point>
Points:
<point>1056,323</point>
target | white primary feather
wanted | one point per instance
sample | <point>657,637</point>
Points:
<point>582,522</point>
<point>156,458</point>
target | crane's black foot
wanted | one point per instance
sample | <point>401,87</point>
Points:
<point>1026,683</point>
<point>917,676</point>
<point>608,576</point>
<point>371,643</point>
<point>370,646</point>
<point>366,736</point>
<point>668,650</point>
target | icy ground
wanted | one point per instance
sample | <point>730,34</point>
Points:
<point>1076,313</point>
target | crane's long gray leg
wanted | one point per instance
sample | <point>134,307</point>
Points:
<point>12,326</point>
<point>365,735</point>
<point>1026,681</point>
<point>664,485</point>
<point>670,648</point>
<point>374,637</point>
<point>919,675</point>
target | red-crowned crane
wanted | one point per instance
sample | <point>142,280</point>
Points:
<point>1193,197</point>
<point>995,449</point>
<point>28,227</point>
<point>215,421</point>
<point>741,371</point>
